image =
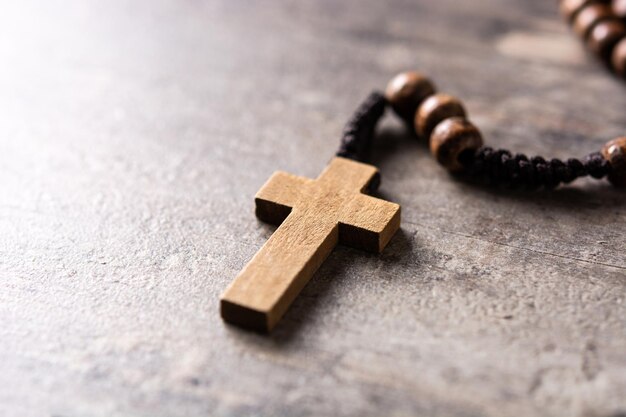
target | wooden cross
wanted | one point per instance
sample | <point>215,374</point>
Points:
<point>314,215</point>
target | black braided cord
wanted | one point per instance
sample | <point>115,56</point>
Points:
<point>496,166</point>
<point>502,167</point>
<point>356,140</point>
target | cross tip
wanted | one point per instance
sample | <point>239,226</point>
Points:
<point>349,171</point>
<point>391,228</point>
<point>244,317</point>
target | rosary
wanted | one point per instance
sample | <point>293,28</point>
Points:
<point>315,215</point>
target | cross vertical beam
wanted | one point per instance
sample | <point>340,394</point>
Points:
<point>314,215</point>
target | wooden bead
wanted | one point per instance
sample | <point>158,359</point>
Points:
<point>615,152</point>
<point>406,91</point>
<point>570,8</point>
<point>452,137</point>
<point>618,62</point>
<point>434,110</point>
<point>590,16</point>
<point>604,36</point>
<point>619,8</point>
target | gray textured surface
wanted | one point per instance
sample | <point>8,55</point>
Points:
<point>135,134</point>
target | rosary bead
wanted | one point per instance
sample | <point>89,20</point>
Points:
<point>619,8</point>
<point>570,8</point>
<point>590,16</point>
<point>452,137</point>
<point>615,153</point>
<point>618,61</point>
<point>604,36</point>
<point>406,91</point>
<point>434,110</point>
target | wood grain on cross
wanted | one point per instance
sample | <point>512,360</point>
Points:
<point>314,215</point>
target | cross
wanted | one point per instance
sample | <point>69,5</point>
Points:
<point>314,216</point>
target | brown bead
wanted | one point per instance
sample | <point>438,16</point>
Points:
<point>618,62</point>
<point>615,152</point>
<point>590,16</point>
<point>570,8</point>
<point>406,91</point>
<point>619,8</point>
<point>451,138</point>
<point>434,110</point>
<point>604,36</point>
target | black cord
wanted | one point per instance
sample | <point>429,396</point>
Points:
<point>356,140</point>
<point>501,167</point>
<point>496,166</point>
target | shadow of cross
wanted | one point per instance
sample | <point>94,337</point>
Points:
<point>314,215</point>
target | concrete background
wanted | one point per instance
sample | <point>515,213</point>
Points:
<point>134,135</point>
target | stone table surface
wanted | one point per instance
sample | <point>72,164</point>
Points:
<point>134,135</point>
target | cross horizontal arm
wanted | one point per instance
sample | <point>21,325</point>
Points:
<point>278,195</point>
<point>368,223</point>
